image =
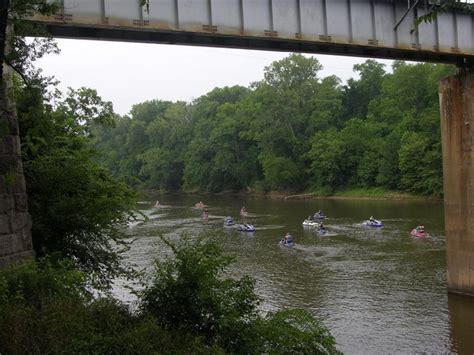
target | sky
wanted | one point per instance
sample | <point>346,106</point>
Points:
<point>130,73</point>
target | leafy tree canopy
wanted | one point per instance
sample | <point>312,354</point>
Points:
<point>292,131</point>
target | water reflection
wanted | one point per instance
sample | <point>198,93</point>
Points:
<point>461,317</point>
<point>378,290</point>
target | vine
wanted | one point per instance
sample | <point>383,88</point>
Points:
<point>146,4</point>
<point>444,6</point>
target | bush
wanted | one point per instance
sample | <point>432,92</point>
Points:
<point>295,332</point>
<point>79,210</point>
<point>189,308</point>
<point>44,308</point>
<point>189,294</point>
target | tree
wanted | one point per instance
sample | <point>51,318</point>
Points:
<point>290,131</point>
<point>418,159</point>
<point>389,172</point>
<point>216,155</point>
<point>23,53</point>
<point>280,172</point>
<point>282,118</point>
<point>359,93</point>
<point>327,106</point>
<point>328,163</point>
<point>78,209</point>
<point>163,158</point>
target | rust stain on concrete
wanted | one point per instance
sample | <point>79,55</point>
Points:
<point>457,121</point>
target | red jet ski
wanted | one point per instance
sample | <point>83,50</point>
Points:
<point>418,233</point>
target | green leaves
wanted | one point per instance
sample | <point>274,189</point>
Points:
<point>446,5</point>
<point>290,131</point>
<point>420,164</point>
<point>280,172</point>
<point>146,4</point>
<point>191,294</point>
<point>190,307</point>
<point>83,108</point>
<point>78,208</point>
<point>296,332</point>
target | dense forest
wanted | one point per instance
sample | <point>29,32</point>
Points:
<point>291,131</point>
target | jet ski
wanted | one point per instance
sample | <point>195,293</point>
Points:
<point>287,241</point>
<point>287,244</point>
<point>319,215</point>
<point>418,233</point>
<point>322,230</point>
<point>310,223</point>
<point>228,222</point>
<point>373,223</point>
<point>245,227</point>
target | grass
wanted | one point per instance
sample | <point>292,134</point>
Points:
<point>377,193</point>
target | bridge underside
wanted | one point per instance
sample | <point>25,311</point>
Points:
<point>391,29</point>
<point>255,43</point>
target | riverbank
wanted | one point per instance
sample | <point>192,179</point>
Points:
<point>355,194</point>
<point>363,194</point>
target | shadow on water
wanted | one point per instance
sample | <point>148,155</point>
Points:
<point>461,319</point>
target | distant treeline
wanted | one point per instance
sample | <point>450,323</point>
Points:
<point>292,131</point>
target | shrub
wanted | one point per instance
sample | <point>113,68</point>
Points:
<point>45,309</point>
<point>188,308</point>
<point>189,294</point>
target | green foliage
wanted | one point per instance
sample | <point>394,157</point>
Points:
<point>447,5</point>
<point>189,308</point>
<point>290,131</point>
<point>22,8</point>
<point>328,160</point>
<point>189,294</point>
<point>295,332</point>
<point>33,282</point>
<point>45,308</point>
<point>359,93</point>
<point>146,4</point>
<point>24,52</point>
<point>280,172</point>
<point>9,178</point>
<point>77,207</point>
<point>420,164</point>
<point>81,109</point>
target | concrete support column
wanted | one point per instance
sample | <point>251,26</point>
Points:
<point>456,95</point>
<point>15,221</point>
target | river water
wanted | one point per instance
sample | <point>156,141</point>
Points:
<point>378,291</point>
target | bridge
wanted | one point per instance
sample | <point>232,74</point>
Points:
<point>390,29</point>
<point>368,28</point>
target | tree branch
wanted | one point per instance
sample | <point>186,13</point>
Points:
<point>23,76</point>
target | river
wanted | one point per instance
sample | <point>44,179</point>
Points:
<point>378,291</point>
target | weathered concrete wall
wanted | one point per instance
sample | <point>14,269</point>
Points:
<point>15,222</point>
<point>457,129</point>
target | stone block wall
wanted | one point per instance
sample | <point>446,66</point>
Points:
<point>15,221</point>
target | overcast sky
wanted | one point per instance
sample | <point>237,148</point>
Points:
<point>129,73</point>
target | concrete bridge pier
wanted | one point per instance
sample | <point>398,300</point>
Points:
<point>456,95</point>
